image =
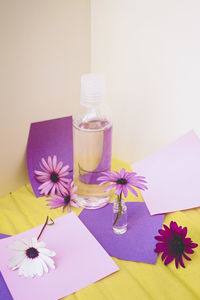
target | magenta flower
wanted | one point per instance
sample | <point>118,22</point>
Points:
<point>122,182</point>
<point>53,177</point>
<point>64,200</point>
<point>174,244</point>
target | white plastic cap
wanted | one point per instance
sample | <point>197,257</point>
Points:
<point>92,89</point>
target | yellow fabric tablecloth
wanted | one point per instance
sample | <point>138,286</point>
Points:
<point>21,210</point>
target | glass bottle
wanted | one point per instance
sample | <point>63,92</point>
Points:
<point>92,136</point>
<point>119,216</point>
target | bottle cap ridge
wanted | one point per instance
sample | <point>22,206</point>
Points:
<point>92,88</point>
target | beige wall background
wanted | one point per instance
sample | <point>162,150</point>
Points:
<point>44,49</point>
<point>150,53</point>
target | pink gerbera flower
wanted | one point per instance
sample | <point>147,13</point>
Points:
<point>66,200</point>
<point>53,176</point>
<point>122,182</point>
<point>174,244</point>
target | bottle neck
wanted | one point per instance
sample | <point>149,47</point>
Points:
<point>94,112</point>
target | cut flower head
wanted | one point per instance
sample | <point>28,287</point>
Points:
<point>66,200</point>
<point>173,244</point>
<point>31,258</point>
<point>123,181</point>
<point>52,176</point>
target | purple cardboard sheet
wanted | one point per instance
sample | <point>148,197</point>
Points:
<point>48,138</point>
<point>137,244</point>
<point>4,291</point>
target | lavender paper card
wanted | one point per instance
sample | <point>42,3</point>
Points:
<point>48,138</point>
<point>173,175</point>
<point>137,244</point>
<point>4,291</point>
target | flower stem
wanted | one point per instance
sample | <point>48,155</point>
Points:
<point>119,198</point>
<point>45,224</point>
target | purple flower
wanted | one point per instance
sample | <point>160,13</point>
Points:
<point>64,200</point>
<point>53,176</point>
<point>174,244</point>
<point>123,181</point>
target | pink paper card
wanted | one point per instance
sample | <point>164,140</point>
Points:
<point>173,175</point>
<point>80,260</point>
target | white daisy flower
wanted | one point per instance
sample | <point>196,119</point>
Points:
<point>31,258</point>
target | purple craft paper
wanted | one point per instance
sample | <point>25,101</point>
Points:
<point>48,138</point>
<point>4,291</point>
<point>3,236</point>
<point>137,244</point>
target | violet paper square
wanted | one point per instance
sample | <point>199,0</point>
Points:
<point>137,244</point>
<point>49,138</point>
<point>4,291</point>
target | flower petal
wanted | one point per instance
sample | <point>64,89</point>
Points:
<point>161,247</point>
<point>65,179</point>
<point>132,190</point>
<point>45,268</point>
<point>103,182</point>
<point>177,262</point>
<point>46,252</point>
<point>168,233</point>
<point>23,266</point>
<point>129,175</point>
<point>193,245</point>
<point>42,178</point>
<point>49,261</point>
<point>189,250</point>
<point>54,162</point>
<point>61,189</point>
<point>187,241</point>
<point>184,232</point>
<point>68,208</point>
<point>139,185</point>
<point>63,170</point>
<point>45,191</point>
<point>165,234</point>
<point>18,245</point>
<point>41,244</point>
<point>118,189</point>
<point>16,260</point>
<point>64,175</point>
<point>53,189</point>
<point>165,253</point>
<point>50,163</point>
<point>122,172</point>
<point>181,262</point>
<point>161,238</point>
<point>72,203</point>
<point>56,197</point>
<point>110,187</point>
<point>125,191</point>
<point>173,226</point>
<point>34,242</point>
<point>38,266</point>
<point>74,189</point>
<point>64,184</point>
<point>40,173</point>
<point>169,259</point>
<point>186,257</point>
<point>42,186</point>
<point>46,165</point>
